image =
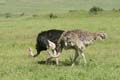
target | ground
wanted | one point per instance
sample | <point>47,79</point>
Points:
<point>18,33</point>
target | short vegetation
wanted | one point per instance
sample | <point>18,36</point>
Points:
<point>22,20</point>
<point>95,10</point>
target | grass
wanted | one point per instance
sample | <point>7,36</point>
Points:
<point>17,34</point>
<point>43,6</point>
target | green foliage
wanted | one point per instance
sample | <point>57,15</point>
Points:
<point>95,10</point>
<point>22,14</point>
<point>73,10</point>
<point>34,15</point>
<point>118,9</point>
<point>115,10</point>
<point>7,15</point>
<point>51,15</point>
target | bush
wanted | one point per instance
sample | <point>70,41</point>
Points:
<point>73,10</point>
<point>22,14</point>
<point>95,10</point>
<point>7,15</point>
<point>115,10</point>
<point>119,9</point>
<point>34,15</point>
<point>51,15</point>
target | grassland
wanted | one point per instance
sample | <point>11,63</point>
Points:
<point>18,33</point>
<point>43,6</point>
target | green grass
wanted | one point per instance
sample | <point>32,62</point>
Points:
<point>17,34</point>
<point>43,6</point>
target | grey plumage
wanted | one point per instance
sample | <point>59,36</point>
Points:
<point>78,40</point>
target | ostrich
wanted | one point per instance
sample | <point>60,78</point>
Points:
<point>42,43</point>
<point>77,40</point>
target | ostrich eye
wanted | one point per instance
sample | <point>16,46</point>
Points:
<point>70,43</point>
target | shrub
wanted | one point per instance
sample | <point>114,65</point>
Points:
<point>22,14</point>
<point>34,15</point>
<point>119,10</point>
<point>95,10</point>
<point>51,15</point>
<point>7,15</point>
<point>115,10</point>
<point>73,10</point>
